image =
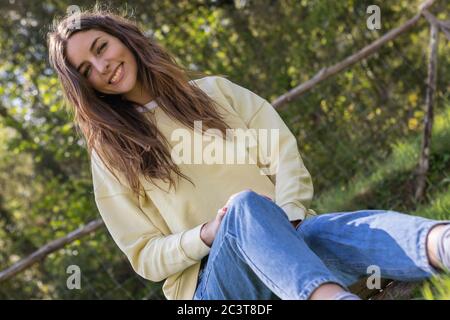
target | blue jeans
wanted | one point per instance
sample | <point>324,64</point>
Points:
<point>258,255</point>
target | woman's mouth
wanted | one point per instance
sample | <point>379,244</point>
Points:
<point>118,75</point>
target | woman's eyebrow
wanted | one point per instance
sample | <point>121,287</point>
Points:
<point>90,49</point>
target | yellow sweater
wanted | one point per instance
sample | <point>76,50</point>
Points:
<point>160,233</point>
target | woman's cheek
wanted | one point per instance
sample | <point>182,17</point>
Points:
<point>97,84</point>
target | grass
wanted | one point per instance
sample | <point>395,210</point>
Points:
<point>437,288</point>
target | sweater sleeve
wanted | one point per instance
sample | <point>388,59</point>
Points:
<point>152,255</point>
<point>293,184</point>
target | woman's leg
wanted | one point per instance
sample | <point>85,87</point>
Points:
<point>351,242</point>
<point>258,255</point>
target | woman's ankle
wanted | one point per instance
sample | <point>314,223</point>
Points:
<point>434,244</point>
<point>328,291</point>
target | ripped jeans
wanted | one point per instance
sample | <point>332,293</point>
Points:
<point>258,255</point>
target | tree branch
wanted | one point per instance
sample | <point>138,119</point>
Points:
<point>428,120</point>
<point>327,72</point>
<point>50,247</point>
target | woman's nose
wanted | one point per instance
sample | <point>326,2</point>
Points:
<point>102,66</point>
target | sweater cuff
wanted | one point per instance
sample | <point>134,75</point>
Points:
<point>294,211</point>
<point>192,245</point>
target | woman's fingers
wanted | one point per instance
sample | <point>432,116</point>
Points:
<point>221,212</point>
<point>223,209</point>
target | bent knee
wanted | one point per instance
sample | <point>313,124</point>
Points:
<point>242,196</point>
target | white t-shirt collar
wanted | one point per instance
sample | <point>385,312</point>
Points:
<point>148,106</point>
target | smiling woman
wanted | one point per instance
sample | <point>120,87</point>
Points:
<point>216,238</point>
<point>109,69</point>
<point>107,64</point>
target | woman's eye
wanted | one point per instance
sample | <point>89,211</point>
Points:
<point>101,48</point>
<point>86,72</point>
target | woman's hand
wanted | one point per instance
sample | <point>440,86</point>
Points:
<point>210,229</point>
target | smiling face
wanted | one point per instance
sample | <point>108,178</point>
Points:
<point>107,64</point>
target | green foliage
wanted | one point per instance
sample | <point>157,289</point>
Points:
<point>438,288</point>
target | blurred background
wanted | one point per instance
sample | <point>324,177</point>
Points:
<point>359,132</point>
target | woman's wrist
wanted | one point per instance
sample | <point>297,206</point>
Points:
<point>203,234</point>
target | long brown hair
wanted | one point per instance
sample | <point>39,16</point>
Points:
<point>124,138</point>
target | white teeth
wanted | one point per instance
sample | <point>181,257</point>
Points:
<point>116,75</point>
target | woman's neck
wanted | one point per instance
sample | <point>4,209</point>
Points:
<point>139,95</point>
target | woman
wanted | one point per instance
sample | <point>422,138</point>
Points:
<point>217,234</point>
